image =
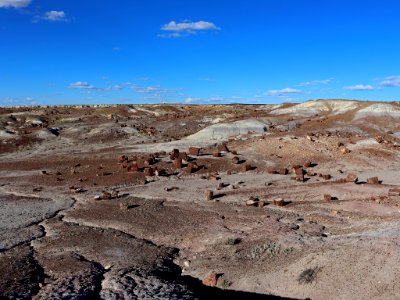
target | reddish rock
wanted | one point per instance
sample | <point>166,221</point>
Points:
<point>283,171</point>
<point>211,280</point>
<point>351,178</point>
<point>307,164</point>
<point>300,177</point>
<point>178,163</point>
<point>394,192</point>
<point>148,172</point>
<point>327,176</point>
<point>279,202</point>
<point>106,196</point>
<point>223,148</point>
<point>133,168</point>
<point>246,168</point>
<point>373,180</point>
<point>327,198</point>
<point>174,154</point>
<point>122,158</point>
<point>209,195</point>
<point>217,154</point>
<point>235,160</point>
<point>271,170</point>
<point>194,151</point>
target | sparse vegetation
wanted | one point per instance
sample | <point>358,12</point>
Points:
<point>270,248</point>
<point>225,284</point>
<point>308,276</point>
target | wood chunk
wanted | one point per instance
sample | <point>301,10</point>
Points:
<point>373,180</point>
<point>351,178</point>
<point>217,154</point>
<point>148,172</point>
<point>209,195</point>
<point>178,162</point>
<point>246,168</point>
<point>194,151</point>
<point>283,171</point>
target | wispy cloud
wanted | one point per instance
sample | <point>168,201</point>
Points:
<point>176,30</point>
<point>316,82</point>
<point>152,89</point>
<point>360,87</point>
<point>391,81</point>
<point>15,3</point>
<point>82,85</point>
<point>51,16</point>
<point>284,92</point>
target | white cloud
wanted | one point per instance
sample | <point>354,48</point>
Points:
<point>15,3</point>
<point>152,89</point>
<point>316,82</point>
<point>284,92</point>
<point>186,28</point>
<point>55,16</point>
<point>391,81</point>
<point>360,87</point>
<point>82,85</point>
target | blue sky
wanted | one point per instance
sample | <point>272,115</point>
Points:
<point>198,51</point>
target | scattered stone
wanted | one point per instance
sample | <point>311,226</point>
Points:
<point>106,196</point>
<point>283,171</point>
<point>246,168</point>
<point>327,177</point>
<point>174,154</point>
<point>44,172</point>
<point>279,202</point>
<point>394,192</point>
<point>327,198</point>
<point>209,195</point>
<point>251,203</point>
<point>307,164</point>
<point>124,206</point>
<point>217,154</point>
<point>212,177</point>
<point>235,160</point>
<point>133,168</point>
<point>351,178</point>
<point>148,172</point>
<point>122,158</point>
<point>223,148</point>
<point>271,170</point>
<point>345,150</point>
<point>373,180</point>
<point>170,189</point>
<point>194,151</point>
<point>178,162</point>
<point>211,280</point>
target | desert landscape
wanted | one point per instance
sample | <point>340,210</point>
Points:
<point>286,201</point>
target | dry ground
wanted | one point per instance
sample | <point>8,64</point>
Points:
<point>158,237</point>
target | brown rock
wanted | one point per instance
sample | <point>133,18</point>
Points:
<point>373,180</point>
<point>133,168</point>
<point>327,176</point>
<point>209,195</point>
<point>217,154</point>
<point>194,151</point>
<point>271,170</point>
<point>223,148</point>
<point>351,178</point>
<point>251,203</point>
<point>283,171</point>
<point>307,164</point>
<point>174,154</point>
<point>106,196</point>
<point>246,168</point>
<point>235,160</point>
<point>394,192</point>
<point>300,177</point>
<point>122,158</point>
<point>279,202</point>
<point>178,163</point>
<point>148,172</point>
<point>211,280</point>
<point>327,198</point>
